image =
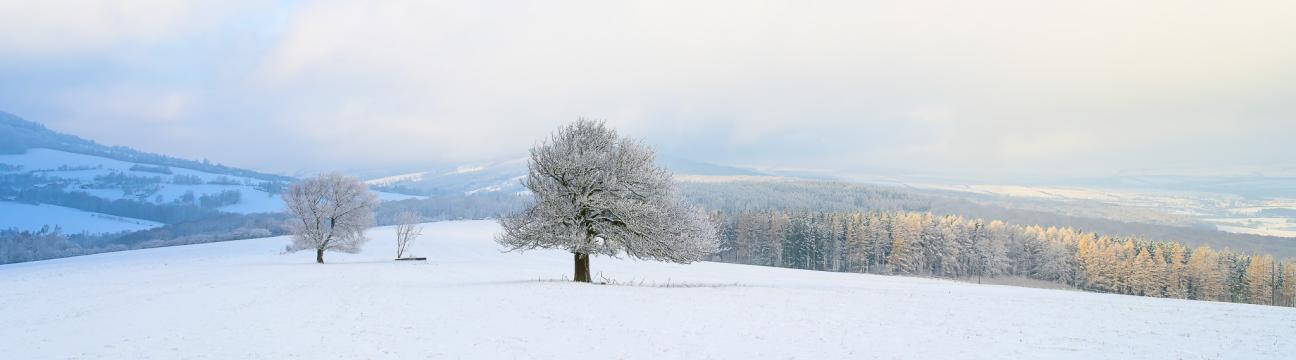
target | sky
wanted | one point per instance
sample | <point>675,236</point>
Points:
<point>984,88</point>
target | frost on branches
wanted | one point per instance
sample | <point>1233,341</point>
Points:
<point>329,212</point>
<point>598,193</point>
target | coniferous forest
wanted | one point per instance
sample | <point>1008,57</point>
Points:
<point>922,244</point>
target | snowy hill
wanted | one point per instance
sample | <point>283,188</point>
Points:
<point>95,175</point>
<point>32,217</point>
<point>18,135</point>
<point>465,179</point>
<point>506,176</point>
<point>242,299</point>
<point>49,178</point>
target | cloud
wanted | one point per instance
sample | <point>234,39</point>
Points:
<point>935,86</point>
<point>71,28</point>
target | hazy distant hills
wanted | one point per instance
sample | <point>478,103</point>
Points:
<point>467,179</point>
<point>1276,183</point>
<point>17,135</point>
<point>52,179</point>
<point>506,176</point>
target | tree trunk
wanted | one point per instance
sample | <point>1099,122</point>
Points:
<point>582,267</point>
<point>319,256</point>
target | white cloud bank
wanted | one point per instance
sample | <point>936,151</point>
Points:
<point>943,86</point>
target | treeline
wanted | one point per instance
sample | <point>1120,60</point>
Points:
<point>47,243</point>
<point>53,194</point>
<point>213,226</point>
<point>827,196</point>
<point>134,185</point>
<point>40,189</point>
<point>223,227</point>
<point>452,207</point>
<point>920,243</point>
<point>51,243</point>
<point>212,201</point>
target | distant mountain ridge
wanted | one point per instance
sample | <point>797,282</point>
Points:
<point>18,134</point>
<point>506,176</point>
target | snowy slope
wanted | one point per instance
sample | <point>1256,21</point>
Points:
<point>81,171</point>
<point>242,299</point>
<point>506,176</point>
<point>466,179</point>
<point>32,217</point>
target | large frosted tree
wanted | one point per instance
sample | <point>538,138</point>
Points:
<point>329,212</point>
<point>599,193</point>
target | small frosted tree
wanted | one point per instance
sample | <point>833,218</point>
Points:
<point>407,229</point>
<point>329,212</point>
<point>599,193</point>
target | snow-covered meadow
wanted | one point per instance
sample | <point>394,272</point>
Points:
<point>243,299</point>
<point>35,216</point>
<point>81,171</point>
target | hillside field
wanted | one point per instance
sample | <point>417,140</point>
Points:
<point>244,299</point>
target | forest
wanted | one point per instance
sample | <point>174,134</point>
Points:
<point>195,222</point>
<point>951,246</point>
<point>828,196</point>
<point>51,242</point>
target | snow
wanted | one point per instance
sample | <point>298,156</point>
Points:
<point>466,169</point>
<point>32,217</point>
<point>386,196</point>
<point>492,188</point>
<point>732,178</point>
<point>468,179</point>
<point>251,200</point>
<point>384,181</point>
<point>50,160</point>
<point>242,299</point>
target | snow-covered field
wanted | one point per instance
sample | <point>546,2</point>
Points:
<point>33,217</point>
<point>242,299</point>
<point>81,169</point>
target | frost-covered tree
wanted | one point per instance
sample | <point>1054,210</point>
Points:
<point>596,192</point>
<point>329,212</point>
<point>407,229</point>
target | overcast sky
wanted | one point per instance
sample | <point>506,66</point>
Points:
<point>956,87</point>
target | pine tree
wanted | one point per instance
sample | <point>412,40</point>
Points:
<point>1140,281</point>
<point>1123,258</point>
<point>1287,294</point>
<point>1260,280</point>
<point>1206,280</point>
<point>778,226</point>
<point>906,230</point>
<point>879,240</point>
<point>1235,279</point>
<point>1177,273</point>
<point>1087,254</point>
